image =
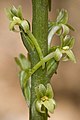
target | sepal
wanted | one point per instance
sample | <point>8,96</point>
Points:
<point>62,17</point>
<point>23,62</point>
<point>70,55</point>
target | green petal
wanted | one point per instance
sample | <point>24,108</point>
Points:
<point>65,30</point>
<point>65,40</point>
<point>39,106</point>
<point>50,105</point>
<point>16,21</point>
<point>57,54</point>
<point>68,41</point>
<point>70,55</point>
<point>25,25</point>
<point>71,44</point>
<point>65,58</point>
<point>62,17</point>
<point>9,14</point>
<point>52,32</point>
<point>50,25</point>
<point>14,11</point>
<point>42,90</point>
<point>49,91</point>
<point>18,62</point>
<point>70,27</point>
<point>20,12</point>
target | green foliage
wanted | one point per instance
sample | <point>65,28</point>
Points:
<point>24,75</point>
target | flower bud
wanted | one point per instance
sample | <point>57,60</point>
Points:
<point>25,25</point>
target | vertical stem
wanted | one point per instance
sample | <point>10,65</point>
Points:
<point>40,31</point>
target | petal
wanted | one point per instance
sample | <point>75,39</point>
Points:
<point>20,12</point>
<point>9,14</point>
<point>52,32</point>
<point>18,62</point>
<point>40,91</point>
<point>70,55</point>
<point>71,44</point>
<point>39,107</point>
<point>14,11</point>
<point>70,27</point>
<point>49,91</point>
<point>50,105</point>
<point>57,54</point>
<point>62,17</point>
<point>16,21</point>
<point>25,25</point>
<point>65,58</point>
<point>65,29</point>
<point>68,41</point>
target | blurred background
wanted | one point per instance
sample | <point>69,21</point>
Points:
<point>66,83</point>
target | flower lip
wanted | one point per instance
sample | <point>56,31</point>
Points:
<point>44,98</point>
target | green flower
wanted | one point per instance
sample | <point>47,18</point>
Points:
<point>11,12</point>
<point>16,18</point>
<point>45,98</point>
<point>67,45</point>
<point>60,26</point>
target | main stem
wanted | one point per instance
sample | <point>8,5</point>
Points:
<point>40,31</point>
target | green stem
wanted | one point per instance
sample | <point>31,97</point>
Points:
<point>40,32</point>
<point>36,45</point>
<point>45,59</point>
<point>39,64</point>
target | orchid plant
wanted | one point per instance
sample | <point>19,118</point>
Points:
<point>44,101</point>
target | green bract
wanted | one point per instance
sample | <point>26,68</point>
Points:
<point>24,75</point>
<point>23,62</point>
<point>45,98</point>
